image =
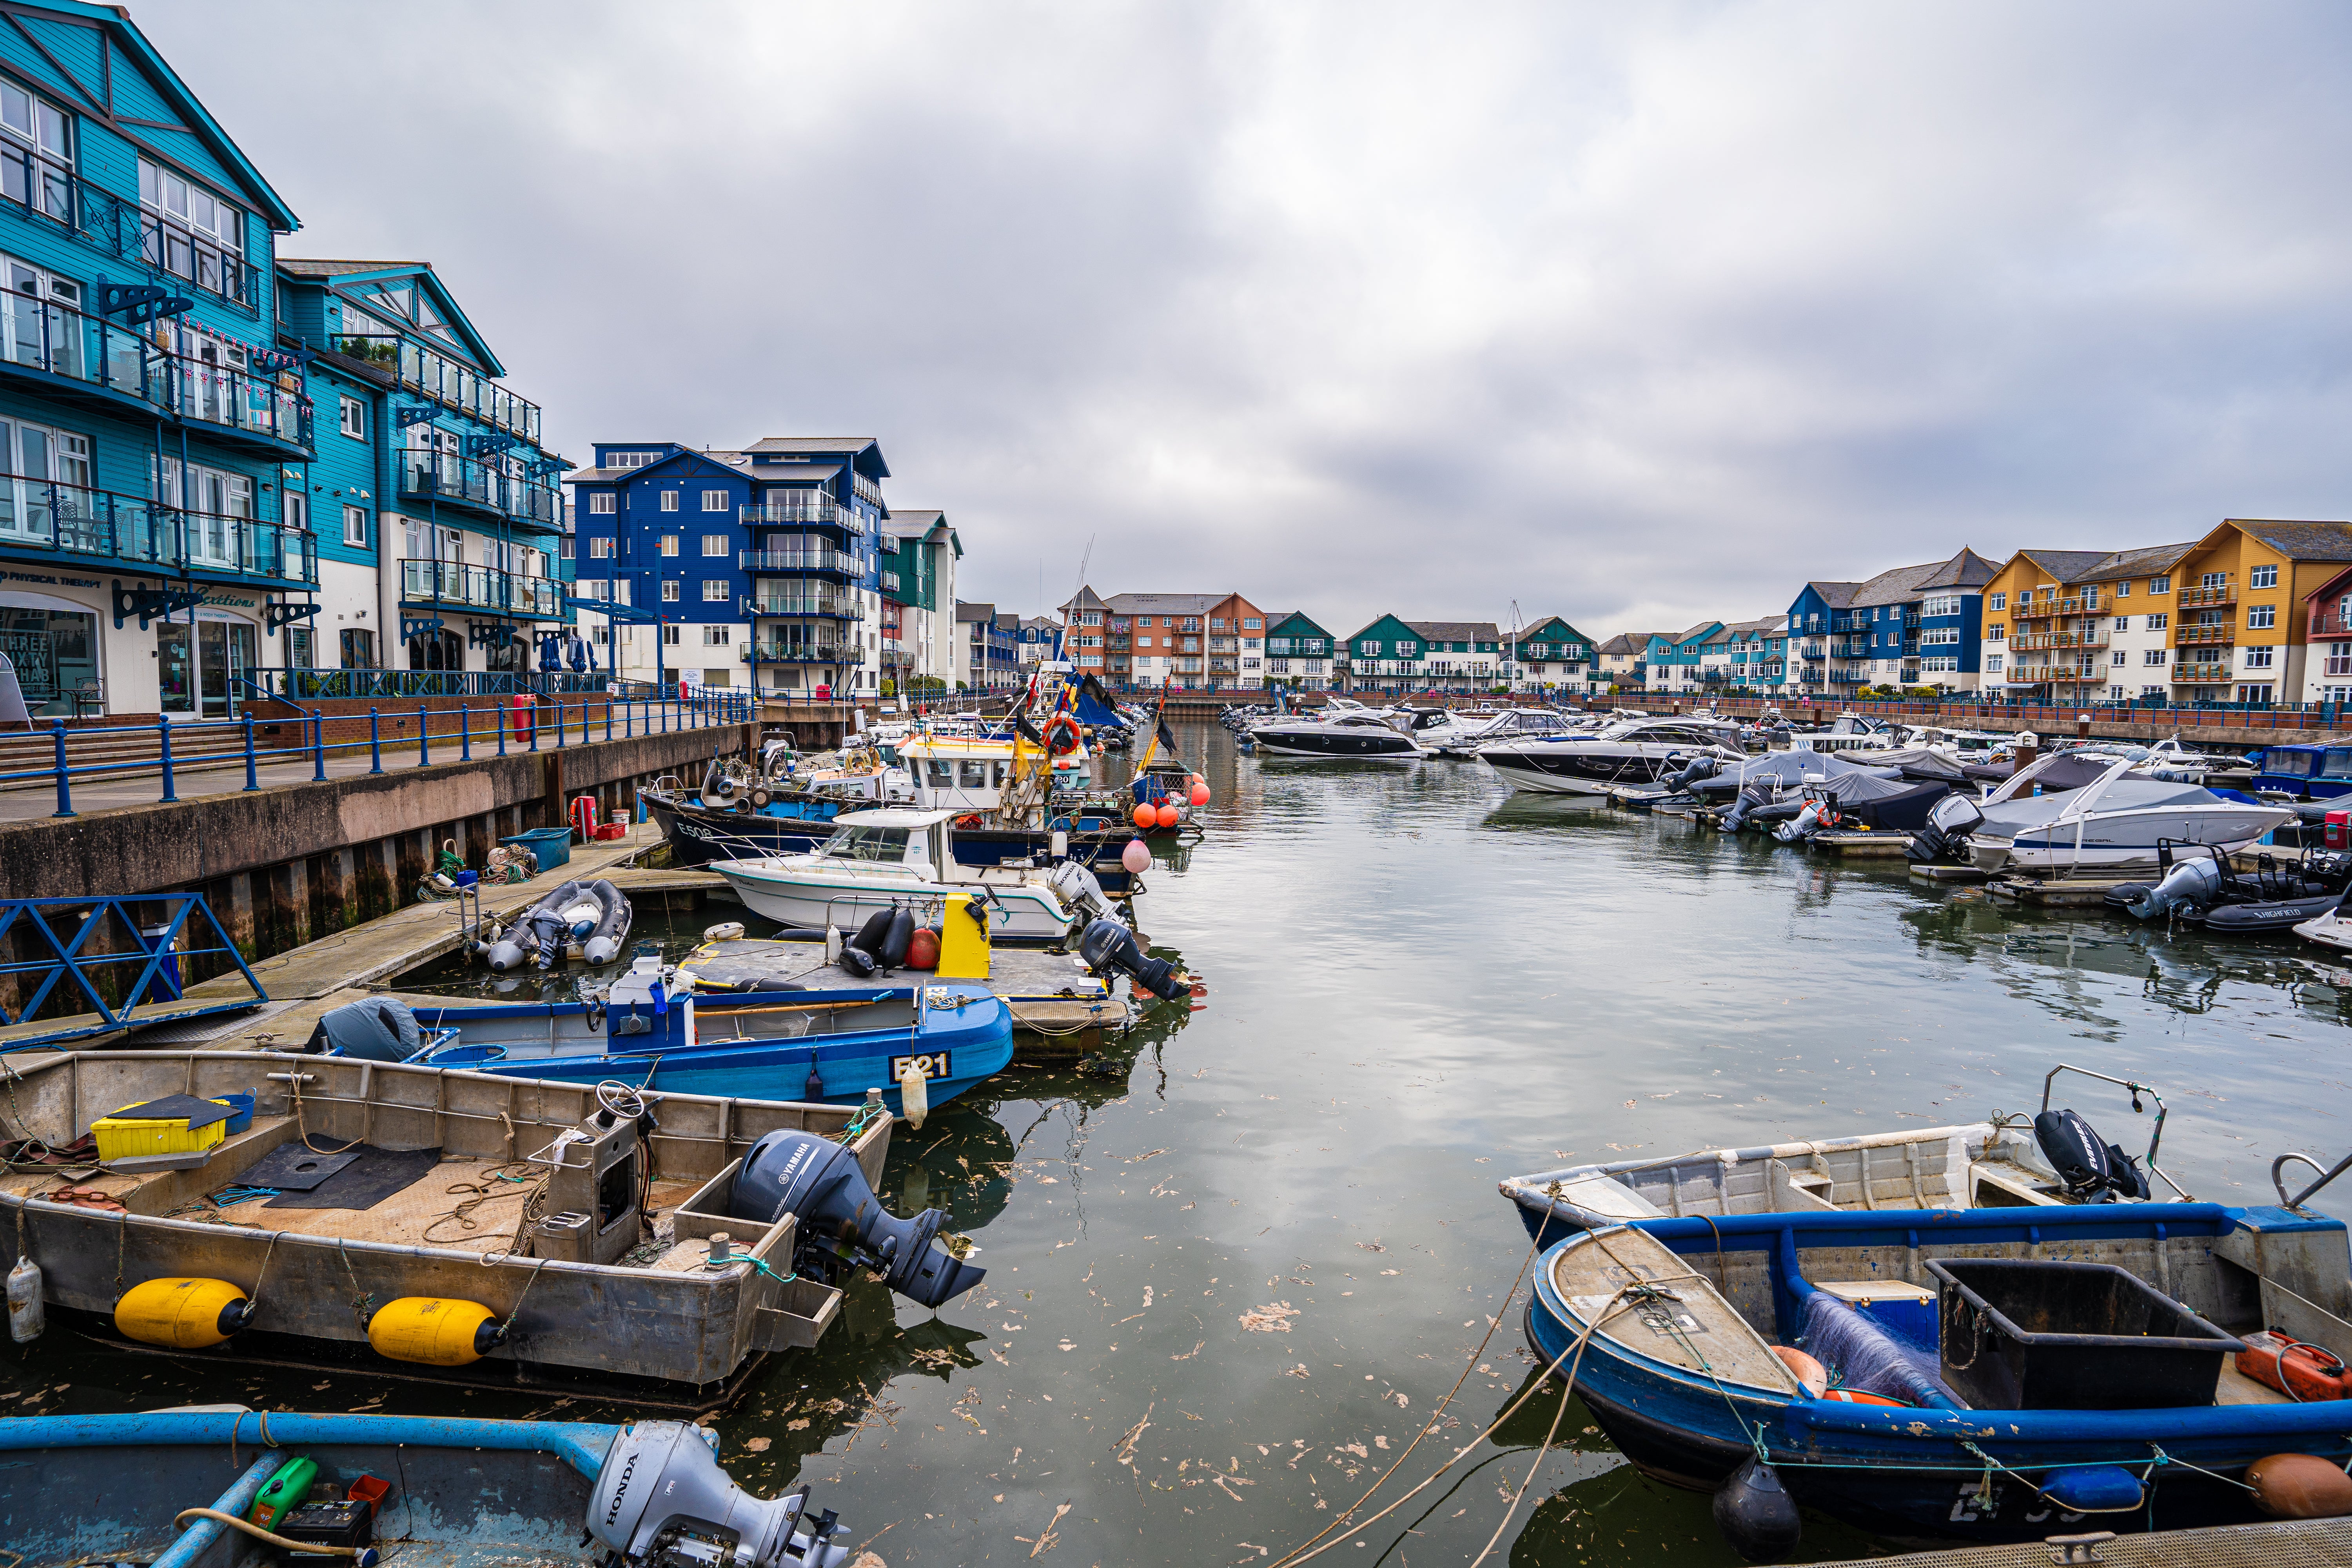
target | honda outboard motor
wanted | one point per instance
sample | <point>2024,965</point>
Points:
<point>1077,887</point>
<point>1109,944</point>
<point>819,1182</point>
<point>662,1501</point>
<point>2191,884</point>
<point>2093,1170</point>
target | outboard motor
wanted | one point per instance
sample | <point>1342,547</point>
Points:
<point>1078,887</point>
<point>1110,945</point>
<point>2093,1170</point>
<point>662,1501</point>
<point>1941,837</point>
<point>841,1223</point>
<point>1804,824</point>
<point>2191,884</point>
<point>1702,768</point>
<point>374,1028</point>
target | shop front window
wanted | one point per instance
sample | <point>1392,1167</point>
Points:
<point>55,653</point>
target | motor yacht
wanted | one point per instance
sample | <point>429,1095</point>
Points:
<point>1637,752</point>
<point>1356,732</point>
<point>2121,818</point>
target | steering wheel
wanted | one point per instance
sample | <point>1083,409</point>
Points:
<point>622,1099</point>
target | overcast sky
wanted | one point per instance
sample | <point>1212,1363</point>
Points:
<point>1637,314</point>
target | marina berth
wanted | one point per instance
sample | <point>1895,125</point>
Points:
<point>2115,821</point>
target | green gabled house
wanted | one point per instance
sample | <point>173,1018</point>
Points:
<point>1298,652</point>
<point>1383,656</point>
<point>1552,654</point>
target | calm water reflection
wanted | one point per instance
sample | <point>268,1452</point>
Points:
<point>1418,984</point>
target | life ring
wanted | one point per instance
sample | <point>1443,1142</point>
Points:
<point>1063,721</point>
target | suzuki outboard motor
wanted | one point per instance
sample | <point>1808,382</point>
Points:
<point>2191,884</point>
<point>2093,1170</point>
<point>1109,944</point>
<point>819,1183</point>
<point>662,1501</point>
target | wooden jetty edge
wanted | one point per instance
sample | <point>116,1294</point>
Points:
<point>2263,1545</point>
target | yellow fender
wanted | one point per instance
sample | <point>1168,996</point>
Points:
<point>182,1313</point>
<point>433,1331</point>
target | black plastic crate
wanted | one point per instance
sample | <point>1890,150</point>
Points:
<point>2016,1334</point>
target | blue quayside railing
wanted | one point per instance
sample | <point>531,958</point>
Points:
<point>601,718</point>
<point>73,944</point>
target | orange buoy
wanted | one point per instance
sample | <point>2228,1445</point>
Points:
<point>1169,815</point>
<point>1857,1396</point>
<point>1810,1373</point>
<point>1200,790</point>
<point>923,949</point>
<point>2299,1486</point>
<point>1145,817</point>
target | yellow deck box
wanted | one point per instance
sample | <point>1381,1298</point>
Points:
<point>121,1137</point>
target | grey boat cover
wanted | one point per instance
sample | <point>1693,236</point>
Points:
<point>1788,770</point>
<point>377,1029</point>
<point>2064,773</point>
<point>1900,804</point>
<point>2011,815</point>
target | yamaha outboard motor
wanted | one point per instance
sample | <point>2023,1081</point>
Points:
<point>1703,768</point>
<point>662,1501</point>
<point>1109,944</point>
<point>2191,884</point>
<point>1804,824</point>
<point>1941,837</point>
<point>819,1183</point>
<point>2093,1170</point>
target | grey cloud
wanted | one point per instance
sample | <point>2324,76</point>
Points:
<point>1636,315</point>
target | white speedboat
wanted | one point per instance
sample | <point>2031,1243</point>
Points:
<point>1849,732</point>
<point>1514,724</point>
<point>2120,819</point>
<point>876,859</point>
<point>1636,753</point>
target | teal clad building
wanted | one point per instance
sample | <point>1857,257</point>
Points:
<point>1552,655</point>
<point>1299,652</point>
<point>149,561</point>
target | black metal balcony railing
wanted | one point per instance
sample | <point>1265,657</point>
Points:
<point>801,561</point>
<point>446,477</point>
<point>36,188</point>
<point>454,583</point>
<point>99,525</point>
<point>89,351</point>
<point>451,383</point>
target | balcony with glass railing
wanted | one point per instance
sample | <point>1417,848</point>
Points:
<point>802,509</point>
<point>869,492</point>
<point>418,367</point>
<point>807,652</point>
<point>818,560</point>
<point>780,599</point>
<point>2200,675</point>
<point>450,479</point>
<point>54,350</point>
<point>2033,609</point>
<point>453,584</point>
<point>59,523</point>
<point>42,190</point>
<point>2031,641</point>
<point>2334,625</point>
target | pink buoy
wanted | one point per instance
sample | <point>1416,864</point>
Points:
<point>1136,857</point>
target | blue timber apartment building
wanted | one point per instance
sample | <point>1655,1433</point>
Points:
<point>1911,626</point>
<point>224,472</point>
<point>147,416</point>
<point>750,568</point>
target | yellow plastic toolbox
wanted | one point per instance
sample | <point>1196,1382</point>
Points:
<point>127,1138</point>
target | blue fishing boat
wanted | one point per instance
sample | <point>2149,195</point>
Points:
<point>214,1486</point>
<point>1990,1374</point>
<point>2307,770</point>
<point>825,1046</point>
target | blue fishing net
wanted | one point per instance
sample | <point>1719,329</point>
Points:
<point>1862,1356</point>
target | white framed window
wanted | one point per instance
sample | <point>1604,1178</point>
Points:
<point>717,590</point>
<point>1939,637</point>
<point>2255,693</point>
<point>356,526</point>
<point>186,230</point>
<point>355,424</point>
<point>670,635</point>
<point>2258,658</point>
<point>2340,661</point>
<point>717,636</point>
<point>2262,578</point>
<point>2261,617</point>
<point>2155,658</point>
<point>601,503</point>
<point>2159,585</point>
<point>715,544</point>
<point>2159,622</point>
<point>2123,622</point>
<point>670,501</point>
<point>714,500</point>
<point>2123,590</point>
<point>2155,691</point>
<point>294,509</point>
<point>1992,664</point>
<point>670,591</point>
<point>2214,580</point>
<point>629,460</point>
<point>2115,692</point>
<point>600,550</point>
<point>1996,634</point>
<point>669,544</point>
<point>1996,601</point>
<point>2119,657</point>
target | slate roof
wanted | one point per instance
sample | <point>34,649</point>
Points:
<point>1629,643</point>
<point>1836,595</point>
<point>1965,570</point>
<point>2158,558</point>
<point>909,523</point>
<point>814,446</point>
<point>1163,604</point>
<point>2301,541</point>
<point>2068,565</point>
<point>1455,631</point>
<point>1895,587</point>
<point>975,610</point>
<point>315,267</point>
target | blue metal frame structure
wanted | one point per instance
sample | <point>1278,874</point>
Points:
<point>67,961</point>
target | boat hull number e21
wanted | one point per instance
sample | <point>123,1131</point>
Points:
<point>935,1065</point>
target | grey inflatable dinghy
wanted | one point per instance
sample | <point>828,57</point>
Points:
<point>593,915</point>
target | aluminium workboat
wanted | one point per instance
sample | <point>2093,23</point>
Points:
<point>1638,752</point>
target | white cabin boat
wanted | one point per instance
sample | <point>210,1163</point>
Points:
<point>876,859</point>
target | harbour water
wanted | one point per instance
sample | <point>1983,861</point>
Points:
<point>1237,1262</point>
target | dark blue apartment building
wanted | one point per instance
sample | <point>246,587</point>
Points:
<point>1912,626</point>
<point>752,568</point>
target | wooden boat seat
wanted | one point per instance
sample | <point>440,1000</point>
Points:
<point>1692,1328</point>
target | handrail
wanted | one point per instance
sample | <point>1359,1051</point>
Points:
<point>101,523</point>
<point>44,335</point>
<point>2137,1089</point>
<point>2300,1198</point>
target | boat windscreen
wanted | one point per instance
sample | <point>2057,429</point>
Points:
<point>885,845</point>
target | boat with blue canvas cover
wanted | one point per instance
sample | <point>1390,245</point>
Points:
<point>179,1489</point>
<point>1988,1375</point>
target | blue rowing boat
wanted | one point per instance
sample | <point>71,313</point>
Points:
<point>191,1488</point>
<point>1950,1409</point>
